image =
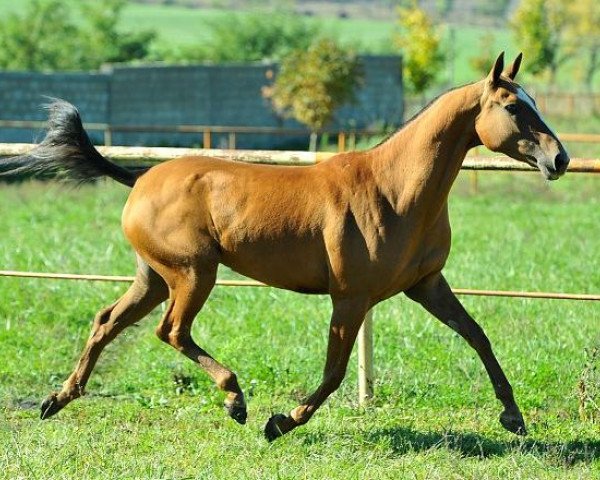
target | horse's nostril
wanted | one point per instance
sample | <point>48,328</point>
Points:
<point>560,162</point>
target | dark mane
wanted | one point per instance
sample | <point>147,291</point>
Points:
<point>419,113</point>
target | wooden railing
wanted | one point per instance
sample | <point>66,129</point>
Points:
<point>346,138</point>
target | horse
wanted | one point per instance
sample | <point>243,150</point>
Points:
<point>361,227</point>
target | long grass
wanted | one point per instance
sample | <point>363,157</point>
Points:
<point>150,413</point>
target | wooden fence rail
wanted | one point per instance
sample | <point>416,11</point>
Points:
<point>345,137</point>
<point>137,155</point>
<point>151,155</point>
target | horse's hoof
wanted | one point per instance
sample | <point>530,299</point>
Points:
<point>273,427</point>
<point>237,412</point>
<point>513,422</point>
<point>50,407</point>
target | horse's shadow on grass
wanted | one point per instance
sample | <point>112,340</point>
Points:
<point>404,440</point>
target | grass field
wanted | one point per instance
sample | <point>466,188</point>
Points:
<point>434,415</point>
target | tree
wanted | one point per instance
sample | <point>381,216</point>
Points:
<point>485,54</point>
<point>313,82</point>
<point>46,37</point>
<point>420,43</point>
<point>104,42</point>
<point>586,34</point>
<point>258,36</point>
<point>247,37</point>
<point>540,28</point>
<point>43,38</point>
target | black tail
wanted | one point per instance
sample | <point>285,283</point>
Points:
<point>67,152</point>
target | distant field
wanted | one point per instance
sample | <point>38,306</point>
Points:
<point>434,415</point>
<point>179,25</point>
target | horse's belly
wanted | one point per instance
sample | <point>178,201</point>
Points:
<point>292,265</point>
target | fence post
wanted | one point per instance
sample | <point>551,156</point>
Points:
<point>206,138</point>
<point>473,176</point>
<point>365,359</point>
<point>352,140</point>
<point>341,141</point>
<point>107,136</point>
<point>231,142</point>
<point>474,181</point>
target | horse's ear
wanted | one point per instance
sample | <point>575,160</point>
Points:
<point>496,71</point>
<point>511,72</point>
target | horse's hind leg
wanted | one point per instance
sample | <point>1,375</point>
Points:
<point>435,295</point>
<point>146,292</point>
<point>187,296</point>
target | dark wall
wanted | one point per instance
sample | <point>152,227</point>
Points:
<point>23,93</point>
<point>228,95</point>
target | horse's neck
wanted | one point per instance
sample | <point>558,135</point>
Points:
<point>422,160</point>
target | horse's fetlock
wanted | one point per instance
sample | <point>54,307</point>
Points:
<point>302,414</point>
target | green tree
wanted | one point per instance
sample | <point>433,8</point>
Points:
<point>104,42</point>
<point>541,30</point>
<point>585,33</point>
<point>313,82</point>
<point>46,37</point>
<point>259,36</point>
<point>421,47</point>
<point>485,54</point>
<point>247,37</point>
<point>43,38</point>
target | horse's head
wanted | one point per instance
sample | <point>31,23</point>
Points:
<point>510,123</point>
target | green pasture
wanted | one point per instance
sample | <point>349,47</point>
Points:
<point>150,413</point>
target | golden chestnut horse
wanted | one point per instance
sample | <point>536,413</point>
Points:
<point>360,227</point>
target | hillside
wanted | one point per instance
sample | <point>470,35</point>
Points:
<point>460,12</point>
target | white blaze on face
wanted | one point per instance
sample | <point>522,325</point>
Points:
<point>524,97</point>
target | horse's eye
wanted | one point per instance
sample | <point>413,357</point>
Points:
<point>511,108</point>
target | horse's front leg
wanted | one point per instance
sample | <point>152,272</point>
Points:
<point>436,296</point>
<point>347,317</point>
